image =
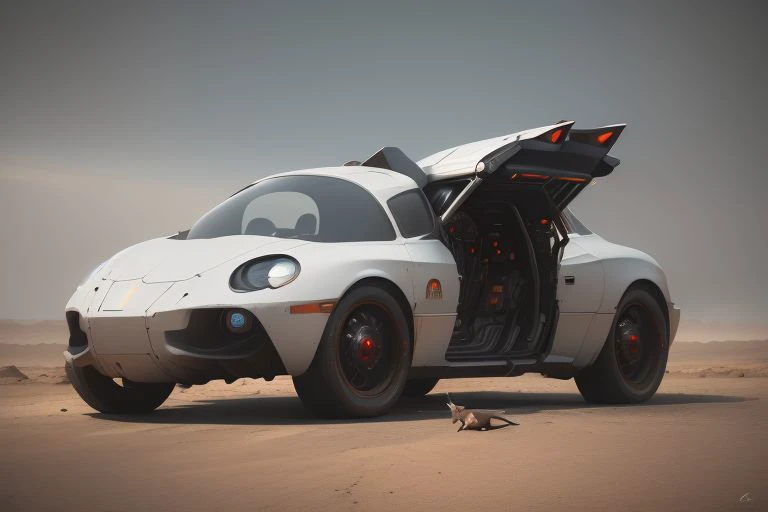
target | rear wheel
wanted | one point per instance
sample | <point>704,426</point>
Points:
<point>107,396</point>
<point>362,363</point>
<point>631,365</point>
<point>416,388</point>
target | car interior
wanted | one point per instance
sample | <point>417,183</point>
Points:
<point>506,247</point>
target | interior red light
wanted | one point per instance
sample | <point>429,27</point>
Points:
<point>544,222</point>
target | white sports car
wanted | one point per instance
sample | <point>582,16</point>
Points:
<point>375,279</point>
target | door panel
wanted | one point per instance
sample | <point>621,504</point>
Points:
<point>581,280</point>
<point>432,260</point>
<point>434,317</point>
<point>569,337</point>
<point>579,291</point>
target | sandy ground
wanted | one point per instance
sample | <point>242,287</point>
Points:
<point>700,444</point>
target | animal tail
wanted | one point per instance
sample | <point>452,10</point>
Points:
<point>502,418</point>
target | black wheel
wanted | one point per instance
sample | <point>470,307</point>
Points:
<point>631,365</point>
<point>107,396</point>
<point>362,363</point>
<point>416,388</point>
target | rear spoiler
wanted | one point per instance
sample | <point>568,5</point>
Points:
<point>559,151</point>
<point>556,150</point>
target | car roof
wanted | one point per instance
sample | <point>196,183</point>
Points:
<point>382,183</point>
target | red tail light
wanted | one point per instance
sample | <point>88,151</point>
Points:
<point>603,137</point>
<point>530,176</point>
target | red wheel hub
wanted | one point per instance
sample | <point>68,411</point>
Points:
<point>633,342</point>
<point>366,350</point>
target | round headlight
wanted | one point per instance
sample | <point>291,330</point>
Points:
<point>282,272</point>
<point>272,272</point>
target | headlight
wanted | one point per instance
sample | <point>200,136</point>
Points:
<point>269,272</point>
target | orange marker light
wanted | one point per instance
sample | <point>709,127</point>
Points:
<point>603,137</point>
<point>576,180</point>
<point>555,136</point>
<point>533,176</point>
<point>434,289</point>
<point>312,307</point>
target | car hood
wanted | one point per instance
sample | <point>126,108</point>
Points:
<point>166,260</point>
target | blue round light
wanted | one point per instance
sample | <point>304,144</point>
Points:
<point>237,320</point>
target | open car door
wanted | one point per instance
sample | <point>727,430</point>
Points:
<point>558,158</point>
<point>500,201</point>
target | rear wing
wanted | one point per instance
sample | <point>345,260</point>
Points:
<point>558,159</point>
<point>558,151</point>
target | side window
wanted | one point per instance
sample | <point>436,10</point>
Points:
<point>412,213</point>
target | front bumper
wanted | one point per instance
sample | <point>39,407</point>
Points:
<point>175,334</point>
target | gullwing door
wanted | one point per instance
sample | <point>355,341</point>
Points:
<point>557,158</point>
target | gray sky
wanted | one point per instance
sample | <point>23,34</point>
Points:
<point>123,121</point>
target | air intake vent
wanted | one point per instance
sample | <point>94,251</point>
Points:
<point>78,340</point>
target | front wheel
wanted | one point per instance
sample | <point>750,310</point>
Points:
<point>631,365</point>
<point>363,360</point>
<point>107,396</point>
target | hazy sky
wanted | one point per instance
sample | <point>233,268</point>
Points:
<point>124,121</point>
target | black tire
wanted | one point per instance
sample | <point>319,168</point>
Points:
<point>107,396</point>
<point>340,382</point>
<point>417,388</point>
<point>633,360</point>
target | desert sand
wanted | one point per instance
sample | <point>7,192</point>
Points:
<point>699,444</point>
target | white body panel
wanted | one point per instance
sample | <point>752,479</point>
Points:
<point>462,160</point>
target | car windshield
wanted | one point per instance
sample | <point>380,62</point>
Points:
<point>317,208</point>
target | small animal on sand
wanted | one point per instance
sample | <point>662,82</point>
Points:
<point>476,419</point>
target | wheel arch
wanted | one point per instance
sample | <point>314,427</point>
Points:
<point>396,292</point>
<point>655,292</point>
